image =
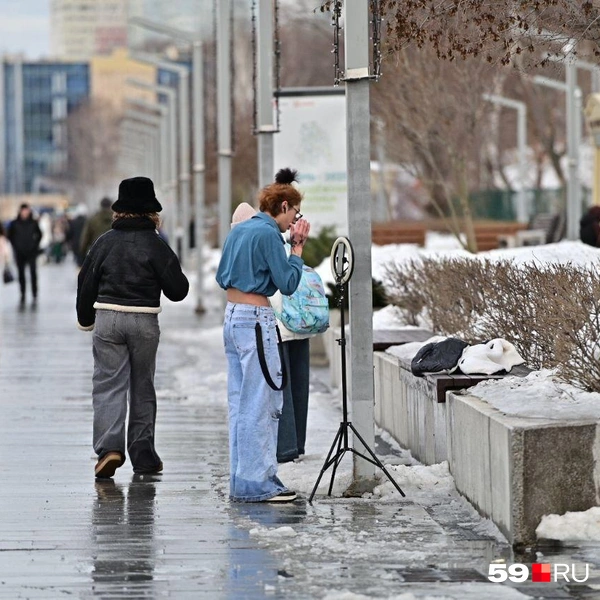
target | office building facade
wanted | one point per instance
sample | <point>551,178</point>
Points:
<point>36,98</point>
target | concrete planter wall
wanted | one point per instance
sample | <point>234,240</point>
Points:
<point>515,470</point>
<point>407,407</point>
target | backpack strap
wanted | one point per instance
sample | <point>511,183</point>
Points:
<point>263,363</point>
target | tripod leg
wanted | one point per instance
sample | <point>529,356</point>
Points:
<point>338,458</point>
<point>376,461</point>
<point>324,468</point>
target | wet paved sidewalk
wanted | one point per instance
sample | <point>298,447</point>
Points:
<point>64,535</point>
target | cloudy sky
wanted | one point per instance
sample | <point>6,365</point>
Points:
<point>25,27</point>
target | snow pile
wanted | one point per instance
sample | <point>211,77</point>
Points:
<point>539,395</point>
<point>419,478</point>
<point>580,526</point>
<point>279,532</point>
<point>441,591</point>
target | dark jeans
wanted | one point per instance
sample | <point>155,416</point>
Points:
<point>22,263</point>
<point>292,422</point>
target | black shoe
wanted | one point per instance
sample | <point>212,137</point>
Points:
<point>282,497</point>
<point>108,464</point>
<point>156,471</point>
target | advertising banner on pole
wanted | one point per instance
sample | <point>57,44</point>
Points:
<point>312,139</point>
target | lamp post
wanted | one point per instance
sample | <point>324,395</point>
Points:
<point>172,142</point>
<point>521,108</point>
<point>356,36</point>
<point>264,118</point>
<point>573,93</point>
<point>184,141</point>
<point>592,115</point>
<point>223,8</point>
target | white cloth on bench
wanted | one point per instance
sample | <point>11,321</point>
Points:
<point>489,358</point>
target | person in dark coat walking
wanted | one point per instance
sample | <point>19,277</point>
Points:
<point>24,234</point>
<point>118,296</point>
<point>95,226</point>
<point>75,231</point>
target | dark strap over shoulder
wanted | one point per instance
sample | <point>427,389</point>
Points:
<point>263,363</point>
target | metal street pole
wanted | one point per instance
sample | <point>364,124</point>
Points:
<point>184,142</point>
<point>199,169</point>
<point>264,118</point>
<point>521,108</point>
<point>3,189</point>
<point>573,144</point>
<point>574,121</point>
<point>361,388</point>
<point>224,115</point>
<point>175,217</point>
<point>19,127</point>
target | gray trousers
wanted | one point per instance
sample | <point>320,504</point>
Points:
<point>124,347</point>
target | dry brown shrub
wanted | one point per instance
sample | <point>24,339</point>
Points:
<point>551,313</point>
<point>403,290</point>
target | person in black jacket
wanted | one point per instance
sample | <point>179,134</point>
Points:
<point>118,296</point>
<point>25,234</point>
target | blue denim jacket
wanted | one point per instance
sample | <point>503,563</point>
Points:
<point>254,259</point>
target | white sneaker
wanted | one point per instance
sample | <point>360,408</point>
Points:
<point>287,496</point>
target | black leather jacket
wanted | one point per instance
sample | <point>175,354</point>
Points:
<point>128,266</point>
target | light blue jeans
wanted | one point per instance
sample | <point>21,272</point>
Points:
<point>254,408</point>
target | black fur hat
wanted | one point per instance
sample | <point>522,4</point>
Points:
<point>136,195</point>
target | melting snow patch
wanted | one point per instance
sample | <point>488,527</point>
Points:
<point>583,526</point>
<point>280,532</point>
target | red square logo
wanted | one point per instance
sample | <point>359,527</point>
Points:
<point>541,572</point>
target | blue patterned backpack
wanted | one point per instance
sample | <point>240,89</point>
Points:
<point>307,309</point>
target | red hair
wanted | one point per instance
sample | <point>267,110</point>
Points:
<point>272,196</point>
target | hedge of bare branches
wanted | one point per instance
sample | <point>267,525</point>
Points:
<point>551,313</point>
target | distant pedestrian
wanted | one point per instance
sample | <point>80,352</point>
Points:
<point>254,266</point>
<point>118,296</point>
<point>589,227</point>
<point>25,235</point>
<point>97,224</point>
<point>75,231</point>
<point>5,256</point>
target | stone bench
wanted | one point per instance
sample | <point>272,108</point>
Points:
<point>516,469</point>
<point>413,409</point>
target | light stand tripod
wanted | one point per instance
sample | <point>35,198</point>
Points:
<point>342,263</point>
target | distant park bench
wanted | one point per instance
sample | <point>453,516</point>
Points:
<point>399,232</point>
<point>487,233</point>
<point>544,228</point>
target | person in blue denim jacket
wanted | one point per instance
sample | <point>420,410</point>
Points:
<point>254,265</point>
